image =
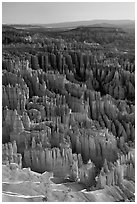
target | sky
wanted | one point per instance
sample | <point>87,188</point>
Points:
<point>54,12</point>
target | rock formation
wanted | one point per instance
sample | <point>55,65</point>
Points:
<point>68,107</point>
<point>10,155</point>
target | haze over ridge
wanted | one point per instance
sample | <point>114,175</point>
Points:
<point>56,12</point>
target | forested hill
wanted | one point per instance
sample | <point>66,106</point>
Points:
<point>110,36</point>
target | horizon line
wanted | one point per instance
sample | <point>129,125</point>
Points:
<point>69,22</point>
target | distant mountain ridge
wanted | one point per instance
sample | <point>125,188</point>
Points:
<point>90,23</point>
<point>126,25</point>
<point>81,23</point>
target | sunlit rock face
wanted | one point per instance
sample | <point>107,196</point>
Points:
<point>14,97</point>
<point>10,155</point>
<point>49,160</point>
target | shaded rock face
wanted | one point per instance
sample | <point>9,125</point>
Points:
<point>63,164</point>
<point>111,117</point>
<point>94,145</point>
<point>87,174</point>
<point>71,112</point>
<point>115,174</point>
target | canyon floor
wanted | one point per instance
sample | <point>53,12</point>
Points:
<point>24,185</point>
